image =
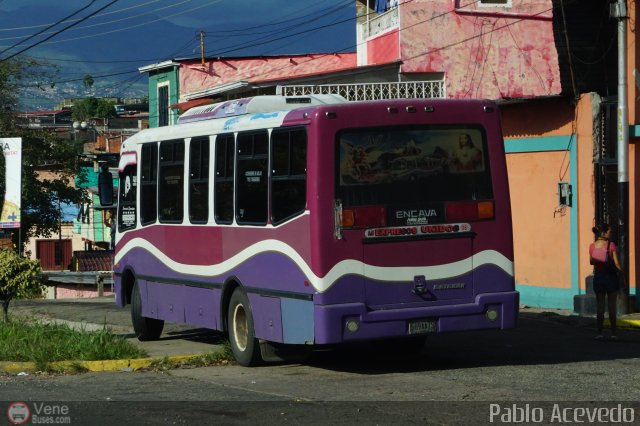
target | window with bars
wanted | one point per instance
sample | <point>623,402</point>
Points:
<point>163,106</point>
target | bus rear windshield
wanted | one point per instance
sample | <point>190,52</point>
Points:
<point>417,167</point>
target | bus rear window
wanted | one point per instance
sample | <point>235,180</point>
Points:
<point>413,168</point>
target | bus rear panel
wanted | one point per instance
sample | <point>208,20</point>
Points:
<point>419,203</point>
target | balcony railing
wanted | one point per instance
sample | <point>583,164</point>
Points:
<point>371,91</point>
<point>381,23</point>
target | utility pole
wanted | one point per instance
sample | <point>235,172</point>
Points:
<point>619,12</point>
<point>202,47</point>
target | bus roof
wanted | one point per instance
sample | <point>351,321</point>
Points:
<point>270,111</point>
<point>256,105</point>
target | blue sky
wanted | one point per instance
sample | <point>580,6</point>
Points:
<point>132,33</point>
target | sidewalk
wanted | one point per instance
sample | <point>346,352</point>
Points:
<point>624,321</point>
<point>178,342</point>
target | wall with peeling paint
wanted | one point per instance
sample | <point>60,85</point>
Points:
<point>194,77</point>
<point>485,52</point>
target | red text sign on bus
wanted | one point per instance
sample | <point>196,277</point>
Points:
<point>408,231</point>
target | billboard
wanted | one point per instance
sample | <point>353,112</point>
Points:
<point>12,150</point>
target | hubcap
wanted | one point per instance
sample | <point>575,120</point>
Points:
<point>240,327</point>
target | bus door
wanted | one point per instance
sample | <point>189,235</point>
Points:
<point>414,194</point>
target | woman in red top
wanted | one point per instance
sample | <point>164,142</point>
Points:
<point>604,258</point>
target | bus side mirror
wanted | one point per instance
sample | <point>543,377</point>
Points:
<point>105,188</point>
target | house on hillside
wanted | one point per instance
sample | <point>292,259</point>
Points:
<point>550,64</point>
<point>51,119</point>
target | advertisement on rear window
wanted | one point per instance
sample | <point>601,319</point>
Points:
<point>386,156</point>
<point>412,172</point>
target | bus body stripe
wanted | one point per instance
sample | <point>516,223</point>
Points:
<point>345,267</point>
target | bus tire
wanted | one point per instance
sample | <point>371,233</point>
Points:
<point>242,337</point>
<point>144,328</point>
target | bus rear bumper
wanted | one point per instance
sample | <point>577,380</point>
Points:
<point>353,321</point>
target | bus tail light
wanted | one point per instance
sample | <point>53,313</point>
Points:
<point>364,217</point>
<point>469,211</point>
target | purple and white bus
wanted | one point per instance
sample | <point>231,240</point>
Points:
<point>313,221</point>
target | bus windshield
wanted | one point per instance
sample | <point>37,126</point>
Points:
<point>418,167</point>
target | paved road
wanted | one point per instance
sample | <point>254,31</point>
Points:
<point>548,359</point>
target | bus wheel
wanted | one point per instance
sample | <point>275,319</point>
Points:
<point>244,344</point>
<point>144,328</point>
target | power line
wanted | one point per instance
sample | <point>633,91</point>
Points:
<point>75,79</point>
<point>270,34</point>
<point>97,16</point>
<point>176,51</point>
<point>352,46</point>
<point>133,26</point>
<point>254,43</point>
<point>127,72</point>
<point>324,12</point>
<point>340,6</point>
<point>295,34</point>
<point>58,32</point>
<point>113,21</point>
<point>49,27</point>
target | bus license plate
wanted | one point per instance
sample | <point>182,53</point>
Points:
<point>422,326</point>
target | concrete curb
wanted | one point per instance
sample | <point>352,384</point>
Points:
<point>95,366</point>
<point>626,323</point>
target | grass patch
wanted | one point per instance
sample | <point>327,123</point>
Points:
<point>44,343</point>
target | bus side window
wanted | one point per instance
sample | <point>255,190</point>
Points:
<point>289,174</point>
<point>171,181</point>
<point>149,183</point>
<point>252,178</point>
<point>224,179</point>
<point>199,180</point>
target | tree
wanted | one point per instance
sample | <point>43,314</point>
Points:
<point>19,278</point>
<point>40,213</point>
<point>15,75</point>
<point>42,196</point>
<point>93,107</point>
<point>8,97</point>
<point>88,82</point>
